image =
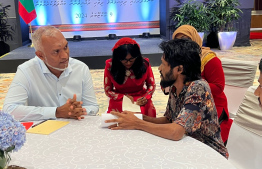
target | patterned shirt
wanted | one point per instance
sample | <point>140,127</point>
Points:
<point>195,110</point>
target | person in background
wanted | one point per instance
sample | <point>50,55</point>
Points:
<point>212,72</point>
<point>127,73</point>
<point>190,109</point>
<point>258,91</point>
<point>51,85</point>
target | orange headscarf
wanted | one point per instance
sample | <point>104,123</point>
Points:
<point>192,33</point>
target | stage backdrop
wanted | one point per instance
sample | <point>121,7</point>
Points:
<point>98,18</point>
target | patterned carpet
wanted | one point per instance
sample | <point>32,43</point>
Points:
<point>252,53</point>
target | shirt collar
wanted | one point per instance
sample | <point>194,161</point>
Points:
<point>173,89</point>
<point>45,69</point>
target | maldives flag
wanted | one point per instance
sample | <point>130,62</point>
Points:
<point>26,10</point>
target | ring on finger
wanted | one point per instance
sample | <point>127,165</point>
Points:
<point>117,124</point>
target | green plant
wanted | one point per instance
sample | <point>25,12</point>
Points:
<point>5,29</point>
<point>224,12</point>
<point>192,13</point>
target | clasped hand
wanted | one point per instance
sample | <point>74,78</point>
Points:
<point>71,109</point>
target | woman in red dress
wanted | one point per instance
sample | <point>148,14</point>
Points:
<point>127,73</point>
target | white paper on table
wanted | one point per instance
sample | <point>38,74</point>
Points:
<point>129,106</point>
<point>108,116</point>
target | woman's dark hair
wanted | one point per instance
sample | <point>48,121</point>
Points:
<point>260,65</point>
<point>118,70</point>
<point>183,52</point>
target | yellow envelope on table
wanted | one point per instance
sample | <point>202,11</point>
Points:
<point>48,127</point>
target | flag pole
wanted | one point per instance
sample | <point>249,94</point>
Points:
<point>32,45</point>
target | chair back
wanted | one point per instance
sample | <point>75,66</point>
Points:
<point>239,75</point>
<point>245,137</point>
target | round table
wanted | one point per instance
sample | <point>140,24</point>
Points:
<point>85,145</point>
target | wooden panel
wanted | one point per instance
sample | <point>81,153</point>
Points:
<point>256,21</point>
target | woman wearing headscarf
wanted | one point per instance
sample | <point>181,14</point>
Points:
<point>127,73</point>
<point>212,72</point>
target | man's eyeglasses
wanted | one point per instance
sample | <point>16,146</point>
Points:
<point>128,60</point>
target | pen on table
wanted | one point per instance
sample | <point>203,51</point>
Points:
<point>38,123</point>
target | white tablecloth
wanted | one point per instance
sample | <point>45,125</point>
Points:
<point>84,145</point>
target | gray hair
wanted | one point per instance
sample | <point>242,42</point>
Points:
<point>37,35</point>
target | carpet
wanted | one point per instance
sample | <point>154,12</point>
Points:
<point>253,52</point>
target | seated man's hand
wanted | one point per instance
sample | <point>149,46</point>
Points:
<point>74,103</point>
<point>126,120</point>
<point>77,113</point>
<point>71,109</point>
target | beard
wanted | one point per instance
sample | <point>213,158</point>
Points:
<point>168,81</point>
<point>165,83</point>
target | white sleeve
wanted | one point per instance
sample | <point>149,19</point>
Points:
<point>88,94</point>
<point>16,101</point>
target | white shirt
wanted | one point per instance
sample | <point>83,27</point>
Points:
<point>35,92</point>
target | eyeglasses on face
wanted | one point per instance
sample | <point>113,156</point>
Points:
<point>128,60</point>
